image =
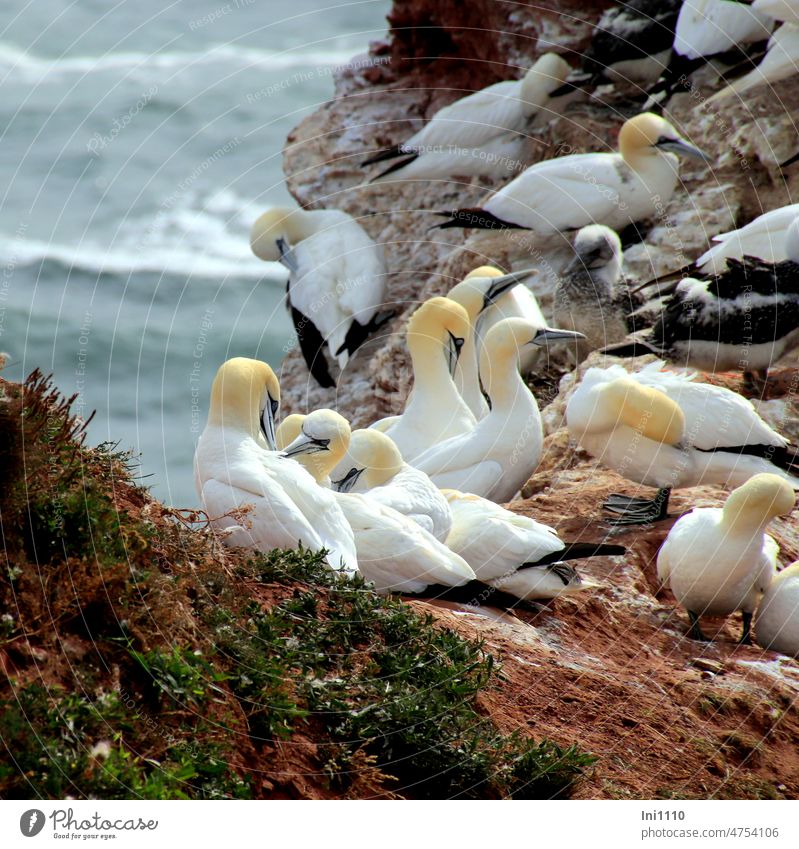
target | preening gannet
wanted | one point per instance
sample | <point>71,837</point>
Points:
<point>515,554</point>
<point>719,560</point>
<point>569,192</point>
<point>288,430</point>
<point>777,616</point>
<point>592,295</point>
<point>337,280</point>
<point>374,466</point>
<point>662,429</point>
<point>481,134</point>
<point>435,411</point>
<point>481,293</point>
<point>233,469</point>
<point>394,552</point>
<point>743,319</point>
<point>496,458</point>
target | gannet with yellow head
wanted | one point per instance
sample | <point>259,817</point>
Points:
<point>719,560</point>
<point>569,192</point>
<point>236,466</point>
<point>500,453</point>
<point>662,429</point>
<point>394,552</point>
<point>777,616</point>
<point>337,280</point>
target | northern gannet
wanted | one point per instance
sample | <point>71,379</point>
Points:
<point>436,334</point>
<point>394,552</point>
<point>234,469</point>
<point>569,192</point>
<point>662,429</point>
<point>777,616</point>
<point>374,466</point>
<point>483,293</point>
<point>481,134</point>
<point>743,319</point>
<point>288,430</point>
<point>592,295</point>
<point>515,554</point>
<point>786,11</point>
<point>337,280</point>
<point>719,560</point>
<point>496,458</point>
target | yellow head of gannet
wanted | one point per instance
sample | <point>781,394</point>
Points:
<point>506,340</point>
<point>483,287</point>
<point>288,430</point>
<point>755,503</point>
<point>245,396</point>
<point>372,458</point>
<point>547,74</point>
<point>644,409</point>
<point>441,321</point>
<point>276,225</point>
<point>322,443</point>
<point>648,135</point>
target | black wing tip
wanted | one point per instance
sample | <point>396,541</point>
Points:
<point>631,349</point>
<point>476,218</point>
<point>383,155</point>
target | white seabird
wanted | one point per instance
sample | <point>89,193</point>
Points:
<point>777,616</point>
<point>394,552</point>
<point>496,458</point>
<point>569,192</point>
<point>234,469</point>
<point>662,429</point>
<point>719,560</point>
<point>482,134</point>
<point>337,280</point>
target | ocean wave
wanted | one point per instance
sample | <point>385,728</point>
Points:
<point>18,62</point>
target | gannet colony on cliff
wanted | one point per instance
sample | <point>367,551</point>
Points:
<point>422,501</point>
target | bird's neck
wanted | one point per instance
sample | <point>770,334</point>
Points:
<point>467,379</point>
<point>431,376</point>
<point>744,522</point>
<point>502,380</point>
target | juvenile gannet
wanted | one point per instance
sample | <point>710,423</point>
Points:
<point>288,430</point>
<point>710,29</point>
<point>500,453</point>
<point>631,43</point>
<point>780,62</point>
<point>483,294</point>
<point>719,560</point>
<point>374,466</point>
<point>777,616</point>
<point>435,411</point>
<point>592,295</point>
<point>662,429</point>
<point>569,192</point>
<point>234,469</point>
<point>515,554</point>
<point>394,552</point>
<point>337,280</point>
<point>743,319</point>
<point>483,133</point>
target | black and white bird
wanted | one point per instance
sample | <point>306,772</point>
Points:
<point>483,133</point>
<point>337,280</point>
<point>743,319</point>
<point>592,295</point>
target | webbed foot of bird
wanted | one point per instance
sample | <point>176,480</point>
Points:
<point>638,511</point>
<point>695,632</point>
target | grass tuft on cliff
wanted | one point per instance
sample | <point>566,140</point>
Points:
<point>143,659</point>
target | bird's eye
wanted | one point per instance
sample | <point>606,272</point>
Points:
<point>323,442</point>
<point>459,340</point>
<point>273,405</point>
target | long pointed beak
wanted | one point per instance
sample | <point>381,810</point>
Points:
<point>302,445</point>
<point>453,353</point>
<point>683,148</point>
<point>348,481</point>
<point>500,285</point>
<point>550,334</point>
<point>268,426</point>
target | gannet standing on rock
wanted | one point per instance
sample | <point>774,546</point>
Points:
<point>743,319</point>
<point>777,616</point>
<point>394,552</point>
<point>664,430</point>
<point>569,192</point>
<point>374,466</point>
<point>496,458</point>
<point>515,554</point>
<point>591,295</point>
<point>481,134</point>
<point>337,280</point>
<point>719,560</point>
<point>435,411</point>
<point>234,469</point>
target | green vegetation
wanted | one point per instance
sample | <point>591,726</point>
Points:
<point>146,661</point>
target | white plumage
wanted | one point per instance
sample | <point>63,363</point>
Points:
<point>779,10</point>
<point>777,616</point>
<point>707,27</point>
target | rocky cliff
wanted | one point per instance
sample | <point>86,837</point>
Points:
<point>611,670</point>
